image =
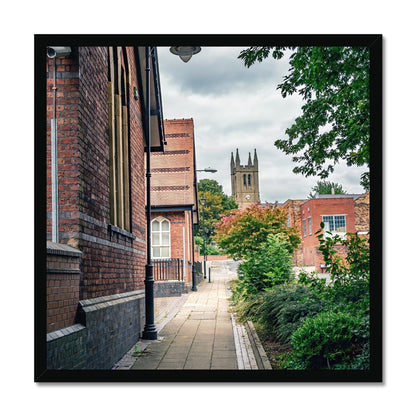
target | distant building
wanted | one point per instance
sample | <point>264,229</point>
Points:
<point>245,180</point>
<point>294,219</point>
<point>174,199</point>
<point>362,213</point>
<point>340,214</point>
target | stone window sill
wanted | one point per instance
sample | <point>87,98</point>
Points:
<point>119,231</point>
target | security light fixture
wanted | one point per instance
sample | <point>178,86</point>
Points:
<point>185,52</point>
<point>58,51</point>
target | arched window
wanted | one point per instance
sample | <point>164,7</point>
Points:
<point>249,180</point>
<point>160,238</point>
<point>244,180</point>
<point>119,137</point>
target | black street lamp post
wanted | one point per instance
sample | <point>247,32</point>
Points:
<point>203,200</point>
<point>149,331</point>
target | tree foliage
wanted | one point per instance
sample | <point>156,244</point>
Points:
<point>335,124</point>
<point>243,231</point>
<point>325,188</point>
<point>217,204</point>
<point>267,267</point>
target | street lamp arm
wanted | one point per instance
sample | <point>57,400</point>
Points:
<point>211,170</point>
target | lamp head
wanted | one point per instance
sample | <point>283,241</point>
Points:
<point>185,52</point>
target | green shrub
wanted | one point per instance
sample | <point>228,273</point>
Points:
<point>247,305</point>
<point>269,266</point>
<point>284,307</point>
<point>326,339</point>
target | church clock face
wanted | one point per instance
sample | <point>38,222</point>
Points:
<point>248,197</point>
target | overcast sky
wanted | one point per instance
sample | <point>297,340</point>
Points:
<point>238,107</point>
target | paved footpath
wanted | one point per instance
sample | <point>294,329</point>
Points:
<point>199,336</point>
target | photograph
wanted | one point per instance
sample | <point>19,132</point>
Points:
<point>212,213</point>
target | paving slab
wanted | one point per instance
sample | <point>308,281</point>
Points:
<point>199,336</point>
<point>197,331</point>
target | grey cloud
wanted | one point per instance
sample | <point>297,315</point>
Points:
<point>235,107</point>
<point>218,71</point>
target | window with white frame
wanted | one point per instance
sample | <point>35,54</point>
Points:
<point>160,238</point>
<point>304,227</point>
<point>334,223</point>
<point>310,225</point>
<point>288,220</point>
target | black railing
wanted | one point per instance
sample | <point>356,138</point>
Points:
<point>167,269</point>
<point>198,267</point>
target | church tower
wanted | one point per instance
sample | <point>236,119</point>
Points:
<point>245,180</point>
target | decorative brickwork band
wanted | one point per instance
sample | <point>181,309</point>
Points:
<point>172,152</point>
<point>170,188</point>
<point>167,170</point>
<point>177,135</point>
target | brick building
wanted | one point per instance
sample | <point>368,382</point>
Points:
<point>294,219</point>
<point>362,213</point>
<point>341,214</point>
<point>174,199</point>
<point>336,212</point>
<point>96,225</point>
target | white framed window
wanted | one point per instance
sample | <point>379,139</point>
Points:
<point>310,225</point>
<point>335,224</point>
<point>288,220</point>
<point>304,227</point>
<point>160,238</point>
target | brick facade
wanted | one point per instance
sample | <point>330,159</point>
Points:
<point>62,285</point>
<point>305,212</point>
<point>295,220</point>
<point>174,193</point>
<point>362,213</point>
<point>111,260</point>
<point>315,209</point>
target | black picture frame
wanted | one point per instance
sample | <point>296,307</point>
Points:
<point>374,375</point>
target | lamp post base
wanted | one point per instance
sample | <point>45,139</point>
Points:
<point>149,333</point>
<point>194,288</point>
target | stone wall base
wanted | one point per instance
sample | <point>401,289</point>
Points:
<point>106,328</point>
<point>168,288</point>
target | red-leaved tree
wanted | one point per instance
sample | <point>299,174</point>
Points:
<point>243,231</point>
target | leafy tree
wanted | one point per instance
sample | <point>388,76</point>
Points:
<point>325,188</point>
<point>356,265</point>
<point>217,204</point>
<point>269,266</point>
<point>335,124</point>
<point>243,231</point>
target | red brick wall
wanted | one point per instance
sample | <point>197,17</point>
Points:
<point>112,262</point>
<point>362,212</point>
<point>292,207</point>
<point>316,208</point>
<point>67,114</point>
<point>62,291</point>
